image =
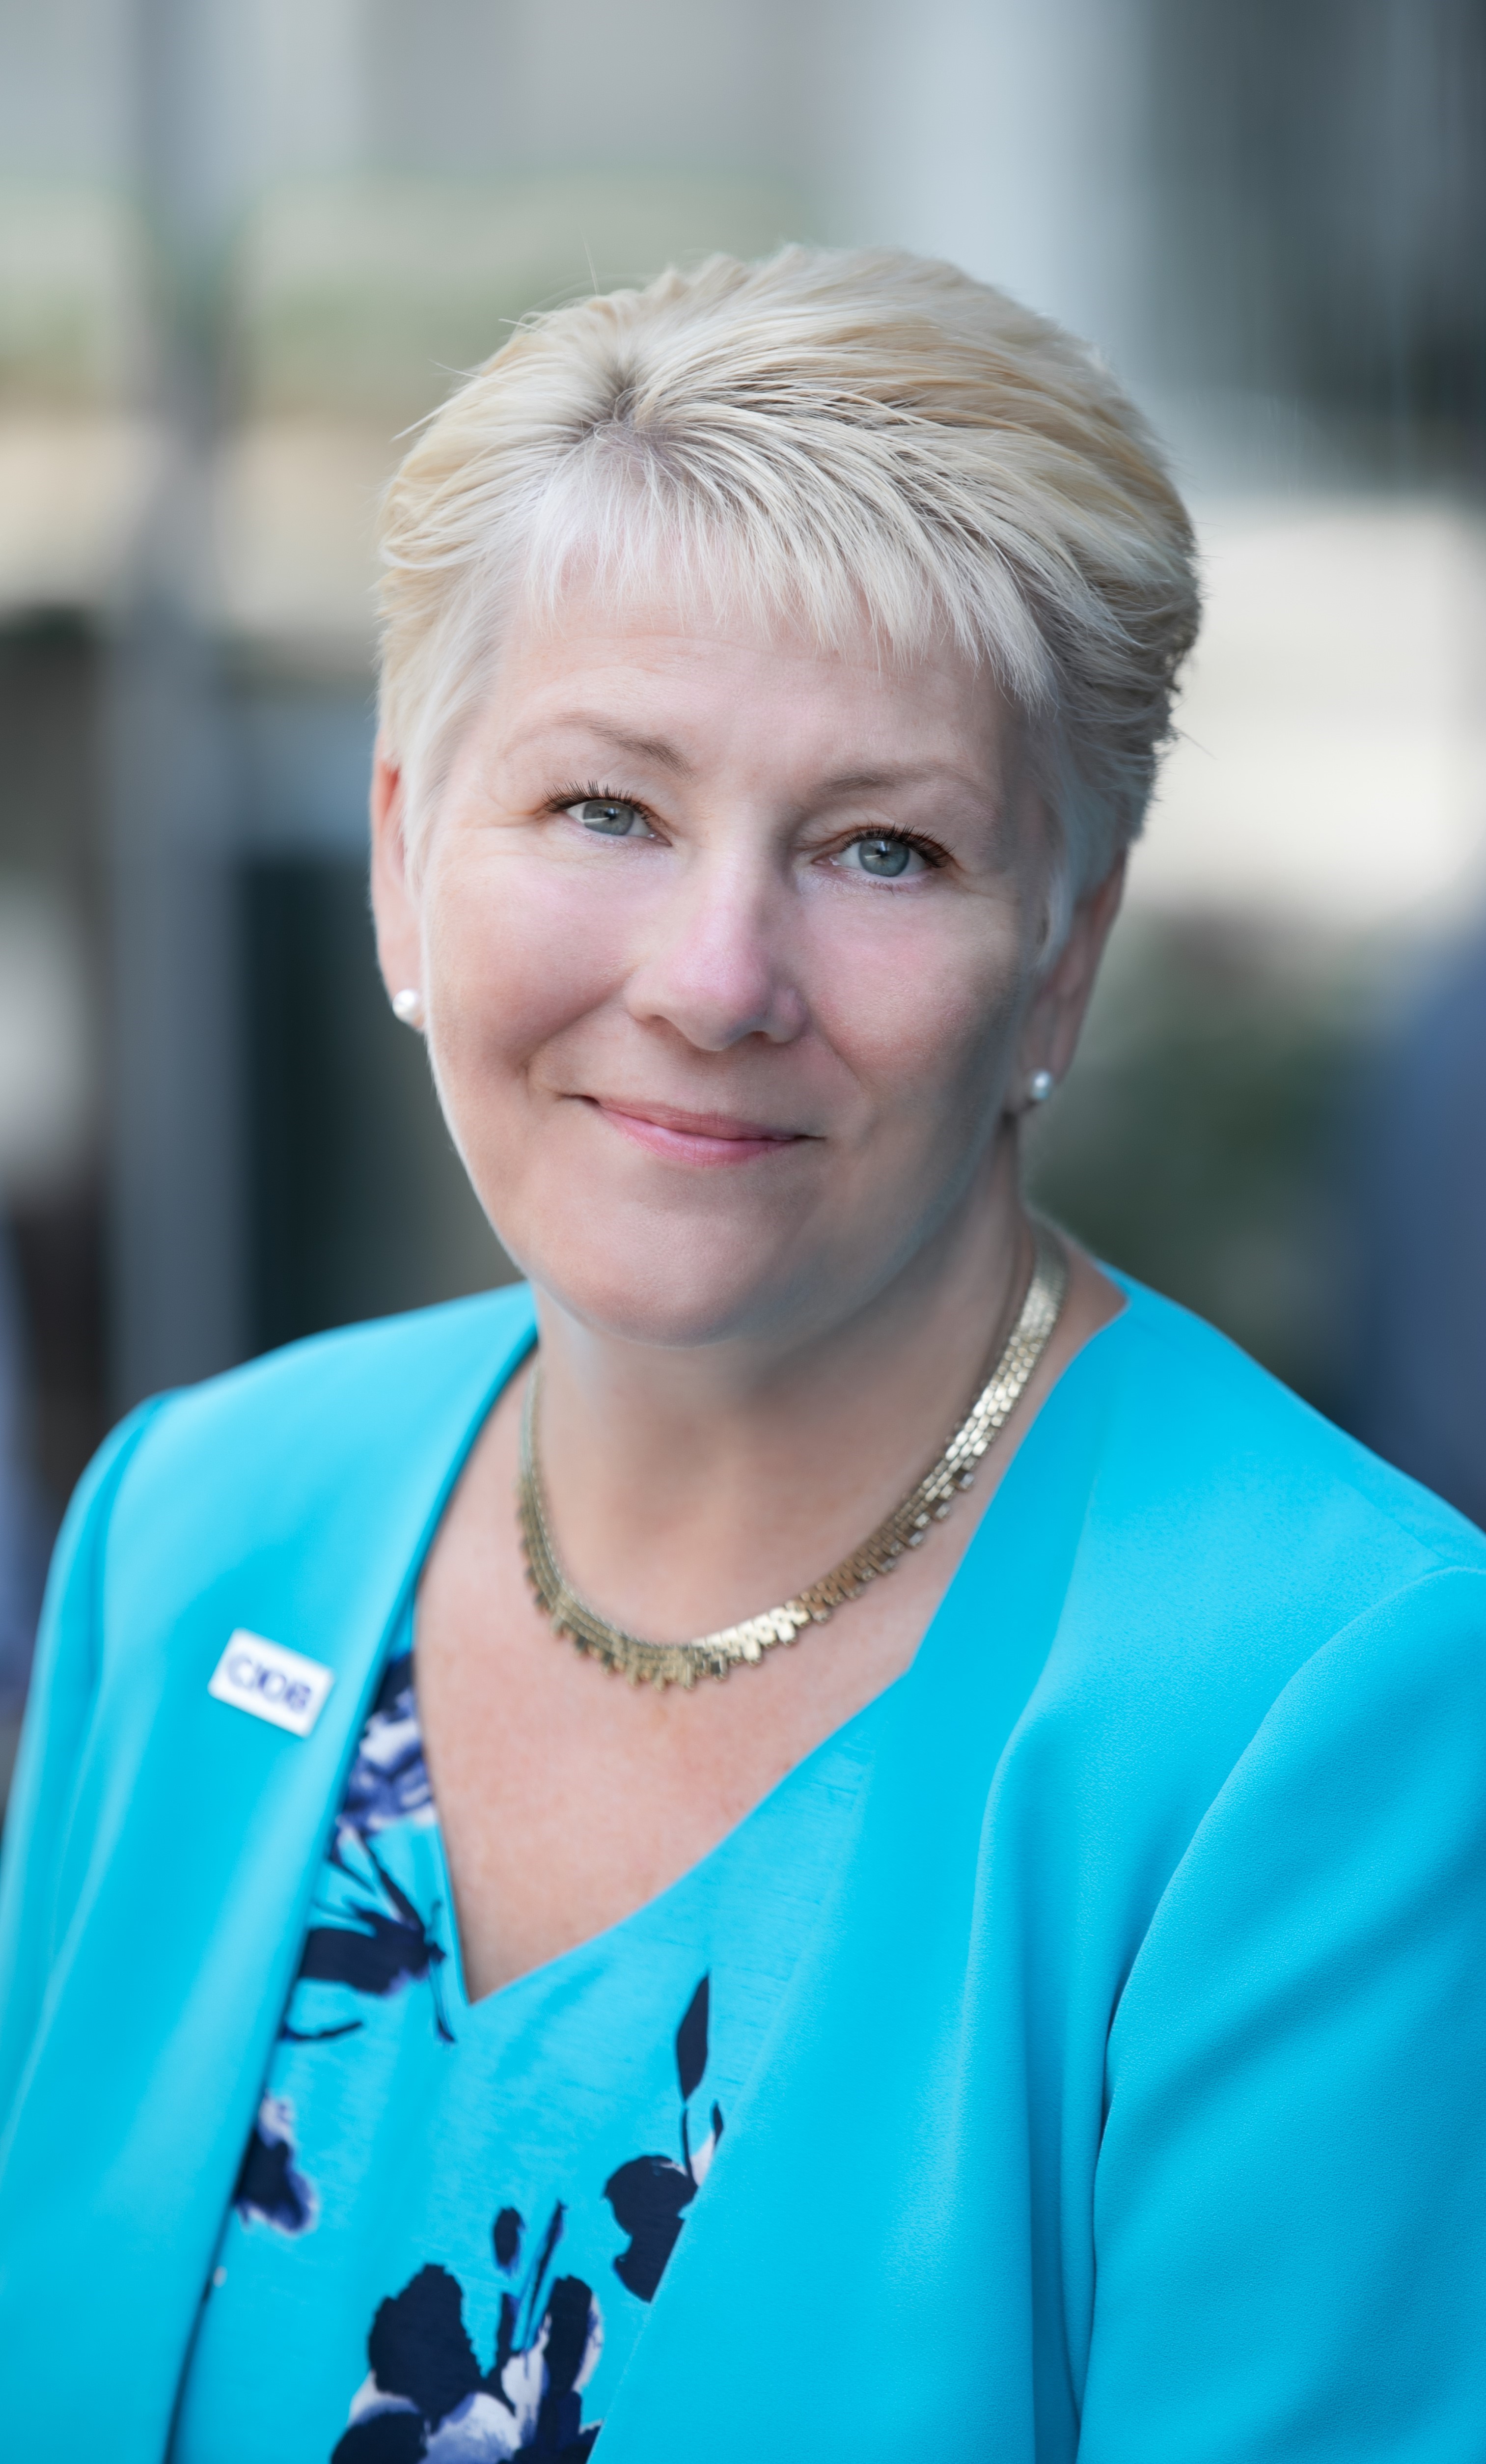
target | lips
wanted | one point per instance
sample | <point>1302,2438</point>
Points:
<point>694,1137</point>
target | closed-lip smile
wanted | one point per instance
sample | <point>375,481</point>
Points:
<point>692,1138</point>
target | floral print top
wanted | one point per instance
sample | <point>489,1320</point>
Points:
<point>452,2216</point>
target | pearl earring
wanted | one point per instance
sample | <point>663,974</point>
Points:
<point>1039,1086</point>
<point>407,1005</point>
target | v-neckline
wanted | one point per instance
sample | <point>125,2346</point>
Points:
<point>547,1972</point>
<point>550,1973</point>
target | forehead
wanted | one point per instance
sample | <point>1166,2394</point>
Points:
<point>680,683</point>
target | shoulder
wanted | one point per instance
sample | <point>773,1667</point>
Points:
<point>270,1446</point>
<point>1223,1445</point>
<point>1227,1538</point>
<point>342,1385</point>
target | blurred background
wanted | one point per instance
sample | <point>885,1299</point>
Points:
<point>245,243</point>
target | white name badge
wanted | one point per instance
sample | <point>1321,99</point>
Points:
<point>273,1684</point>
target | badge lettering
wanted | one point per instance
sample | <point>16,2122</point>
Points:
<point>275,1684</point>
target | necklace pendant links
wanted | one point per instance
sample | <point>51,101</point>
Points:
<point>712,1655</point>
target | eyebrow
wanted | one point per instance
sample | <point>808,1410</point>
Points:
<point>657,749</point>
<point>665,755</point>
<point>907,774</point>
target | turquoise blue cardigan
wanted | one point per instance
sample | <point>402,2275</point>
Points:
<point>1131,2101</point>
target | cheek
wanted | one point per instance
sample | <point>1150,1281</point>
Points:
<point>925,1012</point>
<point>513,958</point>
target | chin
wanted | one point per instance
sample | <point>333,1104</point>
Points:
<point>708,1285</point>
<point>645,1258</point>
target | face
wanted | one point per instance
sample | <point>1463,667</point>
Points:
<point>728,947</point>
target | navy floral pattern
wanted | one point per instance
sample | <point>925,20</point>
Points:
<point>270,2189</point>
<point>388,1943</point>
<point>386,1946</point>
<point>388,1781</point>
<point>426,2393</point>
<point>651,2194</point>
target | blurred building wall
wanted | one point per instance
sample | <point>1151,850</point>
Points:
<point>241,248</point>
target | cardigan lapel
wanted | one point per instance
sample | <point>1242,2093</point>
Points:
<point>296,1498</point>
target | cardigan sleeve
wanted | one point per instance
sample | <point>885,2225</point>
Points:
<point>1290,2204</point>
<point>57,1714</point>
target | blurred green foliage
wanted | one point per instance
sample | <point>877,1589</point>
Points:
<point>1199,1141</point>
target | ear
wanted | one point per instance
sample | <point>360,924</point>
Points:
<point>1054,1017</point>
<point>395,905</point>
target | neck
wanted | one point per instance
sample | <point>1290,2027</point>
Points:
<point>689,1487</point>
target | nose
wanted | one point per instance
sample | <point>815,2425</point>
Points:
<point>717,967</point>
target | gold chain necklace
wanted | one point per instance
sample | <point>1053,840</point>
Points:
<point>712,1655</point>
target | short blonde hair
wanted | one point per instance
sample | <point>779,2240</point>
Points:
<point>826,436</point>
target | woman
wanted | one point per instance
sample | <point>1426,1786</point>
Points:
<point>1034,2008</point>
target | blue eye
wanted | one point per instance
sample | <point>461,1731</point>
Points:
<point>881,856</point>
<point>610,817</point>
